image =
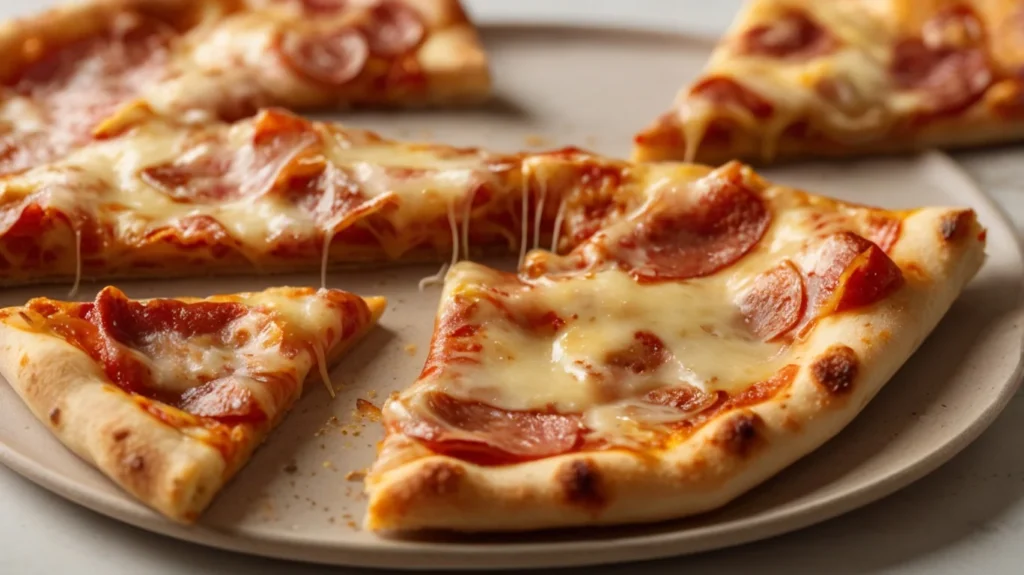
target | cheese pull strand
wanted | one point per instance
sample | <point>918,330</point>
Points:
<point>439,276</point>
<point>78,264</point>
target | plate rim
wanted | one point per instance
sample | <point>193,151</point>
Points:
<point>577,552</point>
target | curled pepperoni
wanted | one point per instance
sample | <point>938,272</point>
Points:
<point>775,303</point>
<point>393,29</point>
<point>136,321</point>
<point>226,400</point>
<point>793,35</point>
<point>726,91</point>
<point>676,240</point>
<point>329,58</point>
<point>847,272</point>
<point>493,435</point>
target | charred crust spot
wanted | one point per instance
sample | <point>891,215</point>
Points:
<point>55,416</point>
<point>439,478</point>
<point>581,484</point>
<point>954,225</point>
<point>135,463</point>
<point>121,434</point>
<point>836,369</point>
<point>740,435</point>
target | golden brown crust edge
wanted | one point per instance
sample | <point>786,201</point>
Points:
<point>62,386</point>
<point>969,131</point>
<point>849,359</point>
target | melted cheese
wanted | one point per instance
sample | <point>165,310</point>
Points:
<point>859,65</point>
<point>422,182</point>
<point>584,366</point>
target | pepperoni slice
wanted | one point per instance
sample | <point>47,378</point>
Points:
<point>948,63</point>
<point>329,58</point>
<point>952,80</point>
<point>135,322</point>
<point>393,29</point>
<point>793,35</point>
<point>226,400</point>
<point>870,277</point>
<point>685,398</point>
<point>775,303</point>
<point>195,179</point>
<point>492,435</point>
<point>677,241</point>
<point>725,91</point>
<point>848,271</point>
<point>211,172</point>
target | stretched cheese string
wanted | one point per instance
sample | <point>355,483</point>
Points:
<point>540,211</point>
<point>439,276</point>
<point>321,363</point>
<point>559,216</point>
<point>467,210</point>
<point>329,231</point>
<point>78,263</point>
<point>524,216</point>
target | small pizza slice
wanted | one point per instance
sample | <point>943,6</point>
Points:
<point>795,78</point>
<point>673,360</point>
<point>169,397</point>
<point>70,69</point>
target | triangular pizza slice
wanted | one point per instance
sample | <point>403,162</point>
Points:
<point>674,359</point>
<point>277,192</point>
<point>796,78</point>
<point>68,70</point>
<point>169,397</point>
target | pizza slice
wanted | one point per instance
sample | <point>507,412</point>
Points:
<point>795,78</point>
<point>276,192</point>
<point>70,69</point>
<point>169,397</point>
<point>671,361</point>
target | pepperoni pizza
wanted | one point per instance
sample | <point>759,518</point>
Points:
<point>78,71</point>
<point>720,329</point>
<point>796,78</point>
<point>271,193</point>
<point>169,397</point>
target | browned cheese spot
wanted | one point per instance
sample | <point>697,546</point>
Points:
<point>836,369</point>
<point>55,416</point>
<point>121,434</point>
<point>955,225</point>
<point>581,484</point>
<point>740,435</point>
<point>24,360</point>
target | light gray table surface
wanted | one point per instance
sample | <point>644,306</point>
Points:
<point>967,517</point>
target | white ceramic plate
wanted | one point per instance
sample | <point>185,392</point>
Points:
<point>592,88</point>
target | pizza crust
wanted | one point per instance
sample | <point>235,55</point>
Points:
<point>163,467</point>
<point>979,127</point>
<point>845,362</point>
<point>65,389</point>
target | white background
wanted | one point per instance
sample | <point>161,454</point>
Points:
<point>968,517</point>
